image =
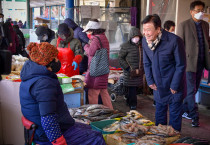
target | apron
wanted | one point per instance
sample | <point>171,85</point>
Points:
<point>66,56</point>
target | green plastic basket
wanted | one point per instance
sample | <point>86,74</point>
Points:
<point>99,125</point>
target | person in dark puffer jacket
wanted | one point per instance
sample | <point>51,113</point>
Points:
<point>129,59</point>
<point>42,101</point>
<point>82,37</point>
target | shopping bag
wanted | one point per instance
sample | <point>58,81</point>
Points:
<point>99,64</point>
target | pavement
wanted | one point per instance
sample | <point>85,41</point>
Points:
<point>146,108</point>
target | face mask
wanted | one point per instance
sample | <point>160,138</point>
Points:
<point>135,39</point>
<point>89,35</point>
<point>55,66</point>
<point>45,37</point>
<point>199,16</point>
<point>63,37</point>
<point>1,20</point>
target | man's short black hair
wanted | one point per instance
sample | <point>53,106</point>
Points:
<point>155,19</point>
<point>196,3</point>
<point>1,14</point>
<point>168,24</point>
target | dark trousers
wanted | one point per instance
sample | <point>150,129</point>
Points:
<point>193,83</point>
<point>175,114</point>
<point>132,98</point>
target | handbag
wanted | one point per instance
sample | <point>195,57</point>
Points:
<point>139,71</point>
<point>99,64</point>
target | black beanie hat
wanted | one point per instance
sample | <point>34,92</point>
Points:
<point>63,29</point>
<point>40,31</point>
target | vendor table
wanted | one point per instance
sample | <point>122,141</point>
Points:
<point>11,128</point>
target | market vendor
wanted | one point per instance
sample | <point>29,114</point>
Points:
<point>42,101</point>
<point>45,34</point>
<point>70,50</point>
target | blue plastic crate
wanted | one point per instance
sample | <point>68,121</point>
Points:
<point>204,94</point>
<point>73,100</point>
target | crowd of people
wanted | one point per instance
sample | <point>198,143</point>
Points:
<point>11,37</point>
<point>172,64</point>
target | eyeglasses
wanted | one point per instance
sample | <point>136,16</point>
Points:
<point>198,11</point>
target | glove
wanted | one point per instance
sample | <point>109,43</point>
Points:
<point>75,65</point>
<point>59,141</point>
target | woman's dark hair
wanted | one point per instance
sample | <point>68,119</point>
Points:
<point>155,19</point>
<point>196,3</point>
<point>168,24</point>
<point>97,31</point>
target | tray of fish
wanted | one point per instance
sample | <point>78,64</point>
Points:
<point>105,126</point>
<point>163,130</point>
<point>94,112</point>
<point>151,140</point>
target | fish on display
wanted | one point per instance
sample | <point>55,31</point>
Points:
<point>96,106</point>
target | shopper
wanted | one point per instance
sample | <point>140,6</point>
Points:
<point>42,101</point>
<point>70,50</point>
<point>195,33</point>
<point>164,66</point>
<point>169,26</point>
<point>96,85</point>
<point>14,38</point>
<point>20,24</point>
<point>45,34</point>
<point>82,36</point>
<point>130,59</point>
<point>5,37</point>
<point>20,49</point>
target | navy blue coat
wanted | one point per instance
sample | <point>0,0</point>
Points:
<point>41,95</point>
<point>165,67</point>
<point>82,36</point>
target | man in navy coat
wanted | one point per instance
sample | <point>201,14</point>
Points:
<point>164,64</point>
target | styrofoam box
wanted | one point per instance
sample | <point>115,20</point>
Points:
<point>73,100</point>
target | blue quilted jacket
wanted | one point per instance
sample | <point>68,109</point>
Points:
<point>41,95</point>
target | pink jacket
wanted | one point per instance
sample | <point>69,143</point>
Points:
<point>99,82</point>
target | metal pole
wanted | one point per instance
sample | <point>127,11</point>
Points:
<point>1,6</point>
<point>70,9</point>
<point>28,14</point>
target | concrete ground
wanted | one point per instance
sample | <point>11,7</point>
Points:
<point>146,109</point>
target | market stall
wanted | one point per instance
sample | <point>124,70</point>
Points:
<point>121,129</point>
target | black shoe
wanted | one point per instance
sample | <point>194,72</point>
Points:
<point>195,122</point>
<point>133,107</point>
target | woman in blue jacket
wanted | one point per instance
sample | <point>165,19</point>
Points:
<point>42,101</point>
<point>164,65</point>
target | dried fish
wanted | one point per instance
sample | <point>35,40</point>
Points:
<point>164,130</point>
<point>154,139</point>
<point>96,106</point>
<point>116,115</point>
<point>113,127</point>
